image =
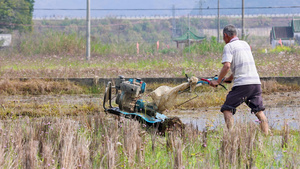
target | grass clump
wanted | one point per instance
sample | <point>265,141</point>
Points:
<point>279,49</point>
<point>205,47</point>
<point>46,87</point>
<point>271,86</point>
<point>38,87</point>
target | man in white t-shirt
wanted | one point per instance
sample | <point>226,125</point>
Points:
<point>237,56</point>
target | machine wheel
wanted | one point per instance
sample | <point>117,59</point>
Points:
<point>171,124</point>
<point>107,96</point>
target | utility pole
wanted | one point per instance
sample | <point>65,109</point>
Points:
<point>218,21</point>
<point>200,7</point>
<point>200,15</point>
<point>173,22</point>
<point>189,36</point>
<point>118,34</point>
<point>88,31</point>
<point>243,19</point>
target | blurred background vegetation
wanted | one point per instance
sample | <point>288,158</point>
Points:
<point>112,36</point>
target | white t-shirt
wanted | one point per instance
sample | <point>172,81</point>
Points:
<point>239,54</point>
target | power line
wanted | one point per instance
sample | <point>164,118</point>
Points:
<point>180,9</point>
<point>152,9</point>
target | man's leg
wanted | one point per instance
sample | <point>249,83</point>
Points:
<point>263,122</point>
<point>228,116</point>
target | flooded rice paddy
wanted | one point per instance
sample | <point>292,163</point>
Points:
<point>213,117</point>
<point>280,107</point>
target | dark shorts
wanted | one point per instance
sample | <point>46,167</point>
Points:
<point>250,94</point>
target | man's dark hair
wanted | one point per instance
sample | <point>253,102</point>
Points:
<point>230,30</point>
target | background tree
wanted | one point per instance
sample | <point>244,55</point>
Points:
<point>16,15</point>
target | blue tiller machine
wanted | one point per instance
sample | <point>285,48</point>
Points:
<point>128,97</point>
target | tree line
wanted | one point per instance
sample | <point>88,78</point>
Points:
<point>16,15</point>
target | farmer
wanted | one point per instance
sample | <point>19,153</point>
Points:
<point>237,56</point>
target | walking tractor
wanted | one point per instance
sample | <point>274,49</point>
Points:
<point>128,96</point>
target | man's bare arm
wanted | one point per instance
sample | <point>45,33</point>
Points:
<point>225,69</point>
<point>228,79</point>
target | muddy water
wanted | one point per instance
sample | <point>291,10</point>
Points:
<point>212,117</point>
<point>280,107</point>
